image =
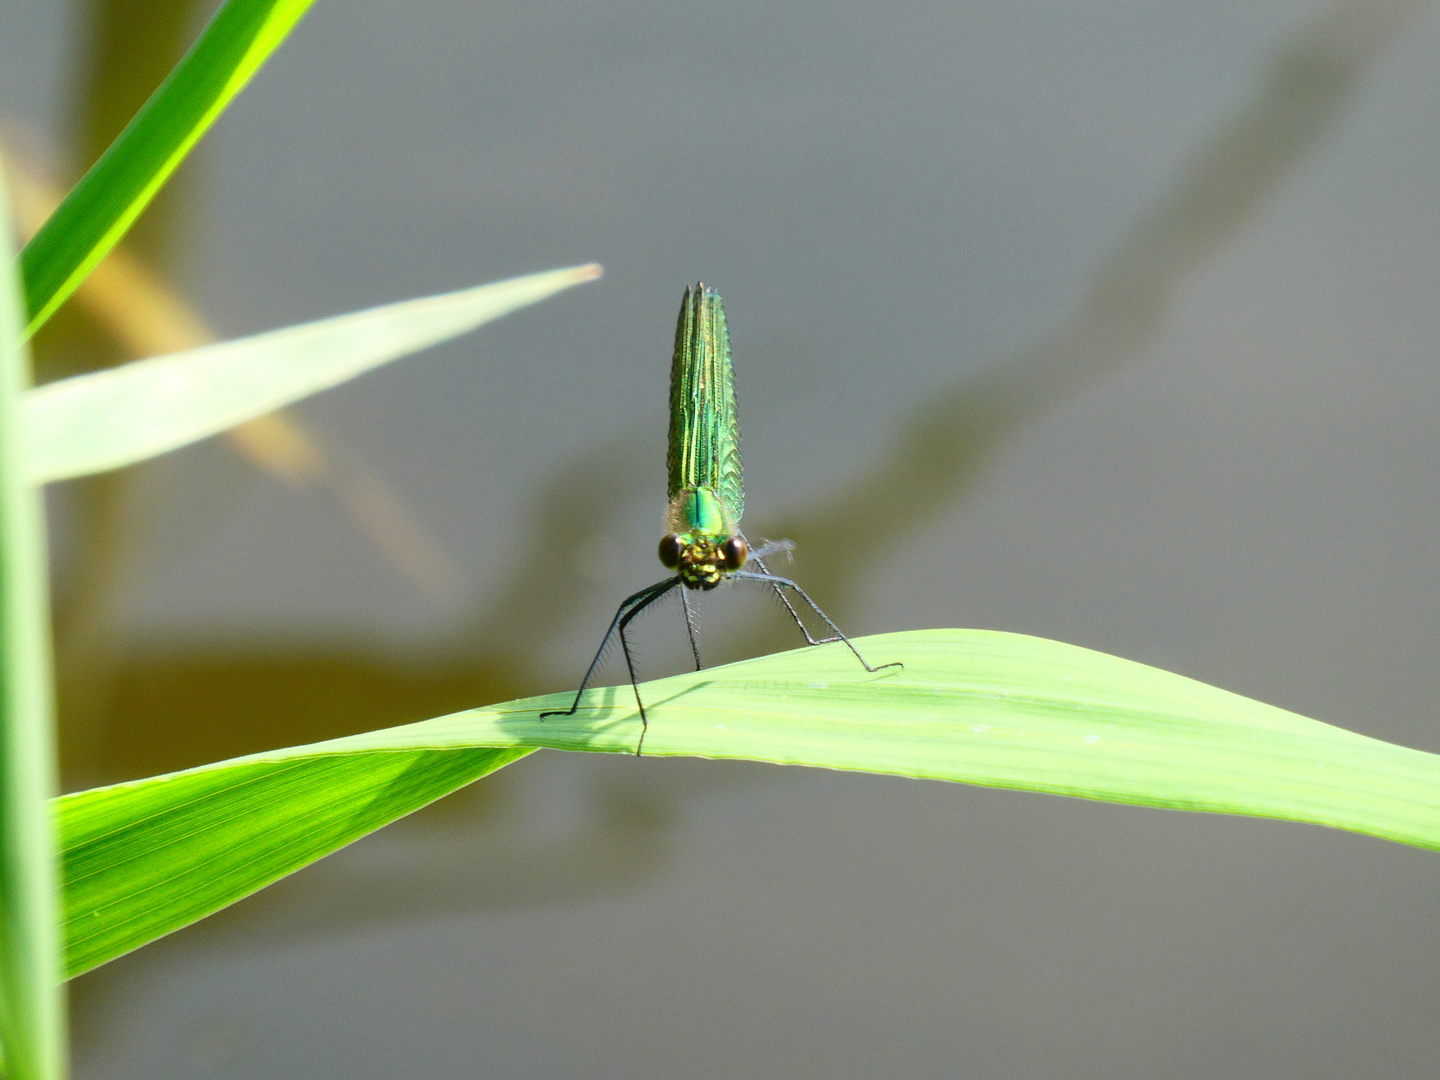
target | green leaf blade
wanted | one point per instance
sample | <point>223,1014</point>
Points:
<point>32,1006</point>
<point>111,418</point>
<point>118,187</point>
<point>236,828</point>
<point>978,707</point>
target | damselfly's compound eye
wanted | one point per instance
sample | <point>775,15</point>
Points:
<point>670,551</point>
<point>735,553</point>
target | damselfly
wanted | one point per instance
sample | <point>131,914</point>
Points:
<point>703,544</point>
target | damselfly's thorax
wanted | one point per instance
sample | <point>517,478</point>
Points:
<point>700,542</point>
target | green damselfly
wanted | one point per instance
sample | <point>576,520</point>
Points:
<point>702,542</point>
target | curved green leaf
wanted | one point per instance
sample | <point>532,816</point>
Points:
<point>112,194</point>
<point>976,706</point>
<point>125,414</point>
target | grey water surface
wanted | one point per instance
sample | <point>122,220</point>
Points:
<point>1112,322</point>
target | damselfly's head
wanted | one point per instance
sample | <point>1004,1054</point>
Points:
<point>701,561</point>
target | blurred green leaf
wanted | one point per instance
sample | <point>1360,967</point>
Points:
<point>32,1006</point>
<point>121,415</point>
<point>982,707</point>
<point>117,188</point>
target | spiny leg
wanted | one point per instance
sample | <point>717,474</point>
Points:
<point>623,623</point>
<point>690,627</point>
<point>755,557</point>
<point>641,600</point>
<point>779,582</point>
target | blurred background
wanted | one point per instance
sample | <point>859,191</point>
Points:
<point>1110,322</point>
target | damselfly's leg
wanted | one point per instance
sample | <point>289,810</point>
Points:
<point>779,583</point>
<point>756,557</point>
<point>690,626</point>
<point>624,622</point>
<point>627,609</point>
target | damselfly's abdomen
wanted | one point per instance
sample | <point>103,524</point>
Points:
<point>706,492</point>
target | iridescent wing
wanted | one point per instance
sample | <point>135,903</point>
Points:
<point>704,448</point>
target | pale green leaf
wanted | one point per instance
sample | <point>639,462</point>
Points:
<point>125,414</point>
<point>976,706</point>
